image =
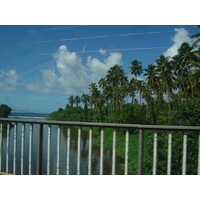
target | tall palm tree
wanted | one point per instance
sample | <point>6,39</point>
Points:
<point>132,88</point>
<point>151,77</point>
<point>95,93</point>
<point>71,100</point>
<point>77,100</point>
<point>140,86</point>
<point>85,98</point>
<point>136,68</point>
<point>116,78</point>
<point>185,60</point>
<point>166,75</point>
<point>102,83</point>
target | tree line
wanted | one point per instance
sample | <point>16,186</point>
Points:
<point>169,94</point>
<point>167,83</point>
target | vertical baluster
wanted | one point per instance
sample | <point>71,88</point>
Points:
<point>1,144</point>
<point>184,153</point>
<point>155,153</point>
<point>40,149</point>
<point>126,152</point>
<point>101,151</point>
<point>7,147</point>
<point>90,152</point>
<point>14,148</point>
<point>22,149</point>
<point>48,149</point>
<point>199,157</point>
<point>58,151</point>
<point>79,151</point>
<point>114,152</point>
<point>169,159</point>
<point>30,148</point>
<point>140,151</point>
<point>68,149</point>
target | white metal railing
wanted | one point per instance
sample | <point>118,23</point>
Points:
<point>102,126</point>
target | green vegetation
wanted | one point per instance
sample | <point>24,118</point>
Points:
<point>4,112</point>
<point>168,96</point>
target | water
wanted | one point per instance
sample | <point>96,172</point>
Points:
<point>28,115</point>
<point>107,166</point>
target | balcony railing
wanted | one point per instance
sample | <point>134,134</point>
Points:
<point>19,135</point>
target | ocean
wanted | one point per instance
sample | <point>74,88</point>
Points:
<point>28,115</point>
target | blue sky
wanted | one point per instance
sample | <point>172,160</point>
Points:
<point>41,66</point>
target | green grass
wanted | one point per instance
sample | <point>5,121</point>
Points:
<point>120,145</point>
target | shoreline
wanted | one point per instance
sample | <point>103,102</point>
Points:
<point>29,117</point>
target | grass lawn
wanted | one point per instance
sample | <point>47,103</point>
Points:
<point>120,145</point>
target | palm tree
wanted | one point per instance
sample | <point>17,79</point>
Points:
<point>136,68</point>
<point>166,75</point>
<point>132,88</point>
<point>77,100</point>
<point>197,35</point>
<point>151,77</point>
<point>140,86</point>
<point>85,98</point>
<point>116,78</point>
<point>102,83</point>
<point>71,100</point>
<point>185,60</point>
<point>95,93</point>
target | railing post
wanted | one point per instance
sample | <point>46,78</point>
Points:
<point>58,151</point>
<point>169,158</point>
<point>155,153</point>
<point>140,151</point>
<point>1,142</point>
<point>7,147</point>
<point>114,152</point>
<point>22,149</point>
<point>79,151</point>
<point>48,149</point>
<point>199,157</point>
<point>40,149</point>
<point>30,149</point>
<point>68,149</point>
<point>101,151</point>
<point>184,153</point>
<point>90,152</point>
<point>126,152</point>
<point>14,149</point>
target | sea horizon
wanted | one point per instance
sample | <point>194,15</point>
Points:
<point>24,114</point>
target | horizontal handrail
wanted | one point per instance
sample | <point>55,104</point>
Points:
<point>107,125</point>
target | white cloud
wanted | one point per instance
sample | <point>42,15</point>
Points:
<point>70,76</point>
<point>9,80</point>
<point>101,68</point>
<point>180,37</point>
<point>102,52</point>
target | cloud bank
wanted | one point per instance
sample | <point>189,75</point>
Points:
<point>9,80</point>
<point>70,76</point>
<point>180,37</point>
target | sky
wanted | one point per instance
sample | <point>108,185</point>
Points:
<point>42,65</point>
